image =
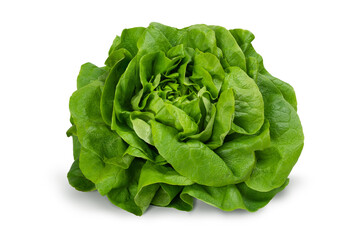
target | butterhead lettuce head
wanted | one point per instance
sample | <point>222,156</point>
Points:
<point>178,114</point>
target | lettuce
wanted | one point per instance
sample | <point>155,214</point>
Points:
<point>178,114</point>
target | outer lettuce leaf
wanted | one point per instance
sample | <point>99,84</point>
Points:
<point>78,180</point>
<point>89,73</point>
<point>123,196</point>
<point>128,40</point>
<point>231,197</point>
<point>123,57</point>
<point>231,50</point>
<point>192,159</point>
<point>75,176</point>
<point>159,185</point>
<point>249,104</point>
<point>275,163</point>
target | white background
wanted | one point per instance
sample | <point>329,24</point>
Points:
<point>313,45</point>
